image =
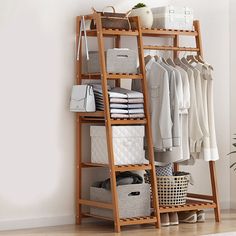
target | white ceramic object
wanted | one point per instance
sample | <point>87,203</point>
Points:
<point>145,15</point>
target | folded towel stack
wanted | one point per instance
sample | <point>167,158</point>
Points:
<point>124,103</point>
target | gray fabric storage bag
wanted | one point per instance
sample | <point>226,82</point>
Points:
<point>133,200</point>
<point>121,61</point>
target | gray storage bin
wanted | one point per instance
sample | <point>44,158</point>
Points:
<point>92,65</point>
<point>121,61</point>
<point>133,200</point>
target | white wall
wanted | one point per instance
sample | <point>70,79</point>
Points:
<point>233,95</point>
<point>37,132</point>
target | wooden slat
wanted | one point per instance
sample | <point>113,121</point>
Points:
<point>189,206</point>
<point>200,196</point>
<point>128,121</point>
<point>96,216</point>
<point>133,167</point>
<point>141,220</point>
<point>112,76</point>
<point>166,32</point>
<point>111,32</point>
<point>89,164</point>
<point>95,204</point>
<point>124,76</point>
<point>91,114</point>
<point>170,48</point>
<point>118,168</point>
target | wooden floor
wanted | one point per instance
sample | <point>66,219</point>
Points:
<point>228,224</point>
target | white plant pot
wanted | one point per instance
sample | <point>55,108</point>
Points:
<point>145,15</point>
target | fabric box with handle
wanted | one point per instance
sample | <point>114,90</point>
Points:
<point>171,17</point>
<point>133,200</point>
<point>82,99</point>
<point>127,145</point>
<point>121,60</point>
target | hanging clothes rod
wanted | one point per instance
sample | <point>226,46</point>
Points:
<point>170,48</point>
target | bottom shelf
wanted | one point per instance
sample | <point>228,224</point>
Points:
<point>127,221</point>
<point>190,205</point>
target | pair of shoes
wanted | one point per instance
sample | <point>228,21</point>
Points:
<point>168,219</point>
<point>191,216</point>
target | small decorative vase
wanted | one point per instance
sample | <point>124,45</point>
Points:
<point>145,15</point>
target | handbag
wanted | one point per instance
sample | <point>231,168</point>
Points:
<point>112,20</point>
<point>82,99</point>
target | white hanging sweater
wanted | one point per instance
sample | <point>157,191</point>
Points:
<point>159,100</point>
<point>211,119</point>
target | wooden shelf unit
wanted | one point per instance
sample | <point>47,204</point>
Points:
<point>104,117</point>
<point>195,201</point>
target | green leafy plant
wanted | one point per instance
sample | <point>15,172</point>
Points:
<point>233,152</point>
<point>139,5</point>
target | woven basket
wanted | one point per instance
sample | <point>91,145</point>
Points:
<point>112,20</point>
<point>172,190</point>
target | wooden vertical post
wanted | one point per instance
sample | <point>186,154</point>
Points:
<point>148,125</point>
<point>211,163</point>
<point>215,190</point>
<point>117,45</point>
<point>78,73</point>
<point>198,37</point>
<point>108,123</point>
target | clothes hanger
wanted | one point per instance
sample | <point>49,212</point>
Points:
<point>147,58</point>
<point>170,61</point>
<point>163,59</point>
<point>157,58</point>
<point>203,62</point>
<point>179,63</point>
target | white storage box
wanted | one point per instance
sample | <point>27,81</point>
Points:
<point>133,200</point>
<point>127,145</point>
<point>171,17</point>
<point>121,61</point>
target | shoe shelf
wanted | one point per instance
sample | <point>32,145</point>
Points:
<point>189,206</point>
<point>126,221</point>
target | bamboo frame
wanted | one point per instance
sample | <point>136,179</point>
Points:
<point>202,201</point>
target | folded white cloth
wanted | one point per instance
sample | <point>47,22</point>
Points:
<point>127,111</point>
<point>124,93</point>
<point>127,115</point>
<point>124,106</point>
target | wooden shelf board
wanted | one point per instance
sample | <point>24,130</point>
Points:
<point>128,121</point>
<point>170,48</point>
<point>154,32</point>
<point>190,205</point>
<point>95,204</point>
<point>111,32</point>
<point>112,76</point>
<point>91,114</point>
<point>96,216</point>
<point>118,167</point>
<point>138,220</point>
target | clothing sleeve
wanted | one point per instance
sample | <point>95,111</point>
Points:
<point>175,112</point>
<point>165,122</point>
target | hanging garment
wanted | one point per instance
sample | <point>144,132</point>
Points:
<point>185,152</point>
<point>159,99</point>
<point>201,86</point>
<point>174,104</point>
<point>195,132</point>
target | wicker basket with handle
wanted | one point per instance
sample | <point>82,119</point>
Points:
<point>172,190</point>
<point>112,20</point>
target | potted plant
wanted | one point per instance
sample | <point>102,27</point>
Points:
<point>233,165</point>
<point>144,13</point>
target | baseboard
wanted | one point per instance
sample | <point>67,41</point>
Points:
<point>13,224</point>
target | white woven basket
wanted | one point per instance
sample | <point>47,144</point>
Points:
<point>172,190</point>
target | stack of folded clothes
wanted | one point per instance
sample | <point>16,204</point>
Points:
<point>124,103</point>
